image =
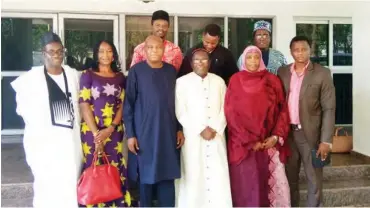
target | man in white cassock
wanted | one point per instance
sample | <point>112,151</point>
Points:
<point>200,110</point>
<point>47,100</point>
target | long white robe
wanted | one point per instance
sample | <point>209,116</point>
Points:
<point>53,153</point>
<point>205,175</point>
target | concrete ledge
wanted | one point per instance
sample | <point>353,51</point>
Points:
<point>341,172</point>
<point>16,191</point>
<point>342,192</point>
<point>25,202</point>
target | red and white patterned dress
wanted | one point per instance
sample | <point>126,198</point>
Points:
<point>279,193</point>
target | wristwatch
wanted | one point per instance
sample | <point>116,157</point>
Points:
<point>114,126</point>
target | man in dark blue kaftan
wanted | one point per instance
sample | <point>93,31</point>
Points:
<point>151,126</point>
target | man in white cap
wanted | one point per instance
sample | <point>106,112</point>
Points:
<point>47,100</point>
<point>273,59</point>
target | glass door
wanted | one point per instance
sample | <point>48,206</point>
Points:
<point>20,50</point>
<point>80,33</point>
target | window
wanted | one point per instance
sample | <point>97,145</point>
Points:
<point>9,117</point>
<point>319,35</point>
<point>342,44</point>
<point>241,34</point>
<point>20,42</point>
<point>332,47</point>
<point>343,94</point>
<point>191,30</point>
<point>137,29</point>
<point>81,36</point>
<point>20,50</point>
<point>325,51</point>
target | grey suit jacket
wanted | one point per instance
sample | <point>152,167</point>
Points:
<point>316,102</point>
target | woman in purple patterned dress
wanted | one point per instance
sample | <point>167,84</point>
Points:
<point>101,98</point>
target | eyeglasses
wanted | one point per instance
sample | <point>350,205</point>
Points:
<point>259,36</point>
<point>56,53</point>
<point>197,61</point>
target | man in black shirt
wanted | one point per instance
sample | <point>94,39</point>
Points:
<point>223,63</point>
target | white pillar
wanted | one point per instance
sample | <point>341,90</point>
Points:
<point>282,33</point>
<point>361,78</point>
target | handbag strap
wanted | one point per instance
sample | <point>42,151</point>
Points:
<point>340,128</point>
<point>105,158</point>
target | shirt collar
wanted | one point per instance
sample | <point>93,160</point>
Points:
<point>200,78</point>
<point>292,67</point>
<point>165,42</point>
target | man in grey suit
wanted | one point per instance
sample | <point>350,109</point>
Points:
<point>311,99</point>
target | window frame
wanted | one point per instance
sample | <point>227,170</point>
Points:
<point>273,32</point>
<point>122,34</point>
<point>5,73</point>
<point>176,16</point>
<point>330,22</point>
<point>225,24</point>
<point>62,17</point>
<point>22,15</point>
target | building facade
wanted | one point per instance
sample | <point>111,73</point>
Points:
<point>340,32</point>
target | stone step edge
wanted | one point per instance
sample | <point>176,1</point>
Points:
<point>336,174</point>
<point>17,184</point>
<point>301,190</point>
<point>16,191</point>
<point>301,172</point>
<point>21,203</point>
<point>344,166</point>
<point>358,205</point>
<point>340,189</point>
<point>334,197</point>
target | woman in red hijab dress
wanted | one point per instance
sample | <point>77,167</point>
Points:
<point>258,123</point>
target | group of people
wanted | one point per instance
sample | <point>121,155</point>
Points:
<point>203,130</point>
